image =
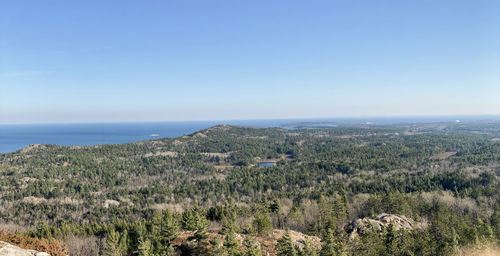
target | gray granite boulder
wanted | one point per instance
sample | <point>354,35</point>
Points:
<point>7,249</point>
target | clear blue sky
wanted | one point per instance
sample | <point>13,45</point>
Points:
<point>93,61</point>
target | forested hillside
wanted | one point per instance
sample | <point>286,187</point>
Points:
<point>208,187</point>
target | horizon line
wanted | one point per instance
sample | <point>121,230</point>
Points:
<point>260,119</point>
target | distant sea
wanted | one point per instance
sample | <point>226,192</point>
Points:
<point>14,137</point>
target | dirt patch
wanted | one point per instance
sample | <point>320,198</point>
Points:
<point>444,155</point>
<point>178,143</point>
<point>28,179</point>
<point>110,202</point>
<point>32,147</point>
<point>98,159</point>
<point>268,243</point>
<point>199,135</point>
<point>221,155</point>
<point>170,207</point>
<point>256,137</point>
<point>67,200</point>
<point>218,176</point>
<point>484,251</point>
<point>223,167</point>
<point>34,200</point>
<point>62,164</point>
<point>167,153</point>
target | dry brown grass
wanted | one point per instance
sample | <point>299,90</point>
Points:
<point>158,153</point>
<point>51,246</point>
<point>221,155</point>
<point>491,250</point>
<point>83,246</point>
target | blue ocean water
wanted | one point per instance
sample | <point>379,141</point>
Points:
<point>15,137</point>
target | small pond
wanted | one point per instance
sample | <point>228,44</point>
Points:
<point>267,164</point>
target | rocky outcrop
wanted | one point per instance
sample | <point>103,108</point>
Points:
<point>11,250</point>
<point>267,243</point>
<point>379,223</point>
<point>33,147</point>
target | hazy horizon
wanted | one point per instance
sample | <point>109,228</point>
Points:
<point>88,62</point>
<point>346,119</point>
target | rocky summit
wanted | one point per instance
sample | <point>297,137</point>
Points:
<point>382,221</point>
<point>7,249</point>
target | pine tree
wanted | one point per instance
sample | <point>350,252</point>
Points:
<point>231,244</point>
<point>217,247</point>
<point>495,221</point>
<point>229,222</point>
<point>189,220</point>
<point>285,245</point>
<point>169,228</point>
<point>169,251</point>
<point>454,239</point>
<point>262,224</point>
<point>390,240</point>
<point>308,250</point>
<point>340,210</point>
<point>253,249</point>
<point>194,219</point>
<point>332,246</point>
<point>112,244</point>
<point>146,248</point>
<point>123,245</point>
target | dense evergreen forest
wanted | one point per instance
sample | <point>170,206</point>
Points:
<point>206,194</point>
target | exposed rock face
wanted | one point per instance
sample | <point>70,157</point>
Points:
<point>109,203</point>
<point>267,243</point>
<point>33,147</point>
<point>297,238</point>
<point>361,226</point>
<point>7,249</point>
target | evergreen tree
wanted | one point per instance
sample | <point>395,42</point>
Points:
<point>194,219</point>
<point>112,244</point>
<point>217,247</point>
<point>231,244</point>
<point>169,251</point>
<point>308,250</point>
<point>123,245</point>
<point>332,246</point>
<point>262,224</point>
<point>495,221</point>
<point>253,249</point>
<point>169,228</point>
<point>146,248</point>
<point>228,221</point>
<point>390,240</point>
<point>285,245</point>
